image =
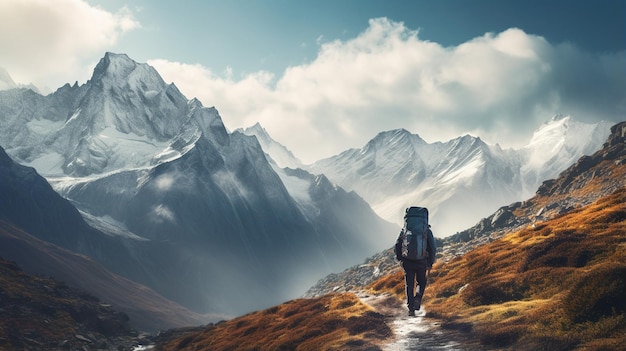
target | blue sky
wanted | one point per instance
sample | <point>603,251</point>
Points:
<point>254,35</point>
<point>323,76</point>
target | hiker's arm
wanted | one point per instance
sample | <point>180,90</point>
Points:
<point>432,248</point>
<point>398,247</point>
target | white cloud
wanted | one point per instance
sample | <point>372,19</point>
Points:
<point>162,214</point>
<point>498,86</point>
<point>164,182</point>
<point>42,40</point>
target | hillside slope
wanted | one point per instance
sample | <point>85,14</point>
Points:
<point>331,322</point>
<point>38,313</point>
<point>558,286</point>
<point>148,311</point>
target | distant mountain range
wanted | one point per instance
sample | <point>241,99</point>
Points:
<point>461,180</point>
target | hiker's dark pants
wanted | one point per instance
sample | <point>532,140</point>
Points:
<point>413,270</point>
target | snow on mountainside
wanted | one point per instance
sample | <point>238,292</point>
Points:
<point>6,82</point>
<point>276,151</point>
<point>461,180</point>
<point>148,166</point>
<point>556,145</point>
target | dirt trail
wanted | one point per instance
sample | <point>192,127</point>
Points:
<point>419,333</point>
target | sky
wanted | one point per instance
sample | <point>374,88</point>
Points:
<point>323,76</point>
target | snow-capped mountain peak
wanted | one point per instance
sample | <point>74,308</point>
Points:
<point>116,68</point>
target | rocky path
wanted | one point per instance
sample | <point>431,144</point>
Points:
<point>419,333</point>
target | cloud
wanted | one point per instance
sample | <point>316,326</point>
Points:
<point>499,86</point>
<point>164,182</point>
<point>46,40</point>
<point>163,214</point>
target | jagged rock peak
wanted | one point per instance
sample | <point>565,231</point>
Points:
<point>259,131</point>
<point>113,63</point>
<point>618,135</point>
<point>559,117</point>
<point>396,134</point>
<point>393,137</point>
<point>120,67</point>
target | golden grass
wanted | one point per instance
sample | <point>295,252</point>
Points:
<point>331,322</point>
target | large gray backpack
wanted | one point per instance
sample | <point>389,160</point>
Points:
<point>415,231</point>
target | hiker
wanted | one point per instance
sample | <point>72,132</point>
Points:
<point>416,249</point>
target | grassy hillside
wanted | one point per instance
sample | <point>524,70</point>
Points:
<point>331,322</point>
<point>559,285</point>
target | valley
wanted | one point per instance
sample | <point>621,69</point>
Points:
<point>128,190</point>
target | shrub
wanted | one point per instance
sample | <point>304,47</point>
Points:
<point>601,293</point>
<point>491,291</point>
<point>502,336</point>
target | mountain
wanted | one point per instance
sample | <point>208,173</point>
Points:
<point>555,285</point>
<point>31,212</point>
<point>556,145</point>
<point>582,183</point>
<point>586,181</point>
<point>282,156</point>
<point>461,180</point>
<point>203,217</point>
<point>147,310</point>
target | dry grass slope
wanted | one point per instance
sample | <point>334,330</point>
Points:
<point>331,322</point>
<point>557,286</point>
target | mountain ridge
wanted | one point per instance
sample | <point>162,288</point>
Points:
<point>163,174</point>
<point>464,175</point>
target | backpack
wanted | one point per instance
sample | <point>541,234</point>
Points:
<point>415,240</point>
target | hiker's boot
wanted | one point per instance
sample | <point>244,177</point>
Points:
<point>418,302</point>
<point>411,313</point>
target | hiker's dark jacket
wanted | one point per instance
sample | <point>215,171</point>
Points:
<point>432,250</point>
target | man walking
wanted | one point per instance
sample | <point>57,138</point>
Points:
<point>416,249</point>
